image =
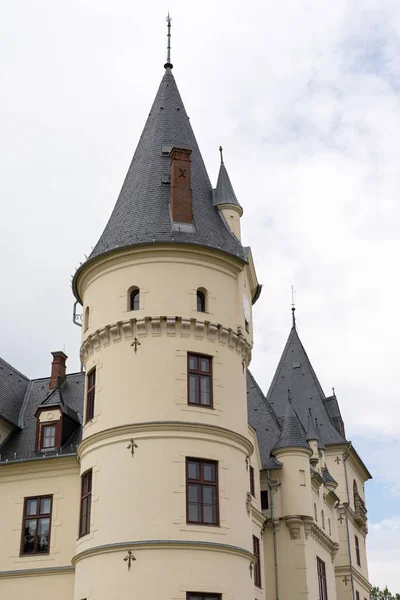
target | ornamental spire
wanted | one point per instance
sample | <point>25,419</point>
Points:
<point>168,64</point>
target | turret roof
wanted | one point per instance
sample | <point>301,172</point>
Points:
<point>142,212</point>
<point>13,386</point>
<point>296,373</point>
<point>224,192</point>
<point>293,434</point>
<point>312,428</point>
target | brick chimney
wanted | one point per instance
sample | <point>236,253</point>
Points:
<point>58,369</point>
<point>181,191</point>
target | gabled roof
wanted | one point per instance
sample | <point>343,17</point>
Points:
<point>295,373</point>
<point>142,212</point>
<point>293,434</point>
<point>13,386</point>
<point>21,444</point>
<point>55,398</point>
<point>224,193</point>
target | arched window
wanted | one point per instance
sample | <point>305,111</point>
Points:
<point>201,300</point>
<point>86,319</point>
<point>134,299</point>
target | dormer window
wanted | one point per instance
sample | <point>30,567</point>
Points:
<point>201,300</point>
<point>48,437</point>
<point>134,299</point>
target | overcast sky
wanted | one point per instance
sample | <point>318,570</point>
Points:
<point>304,97</point>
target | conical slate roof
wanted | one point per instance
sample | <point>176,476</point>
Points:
<point>224,193</point>
<point>142,212</point>
<point>292,434</point>
<point>296,373</point>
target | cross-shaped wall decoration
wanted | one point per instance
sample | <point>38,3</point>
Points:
<point>129,559</point>
<point>251,569</point>
<point>132,446</point>
<point>135,344</point>
<point>338,460</point>
<point>346,580</point>
<point>340,519</point>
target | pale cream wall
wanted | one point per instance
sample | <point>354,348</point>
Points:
<point>39,587</point>
<point>5,430</point>
<point>294,492</point>
<point>53,414</point>
<point>232,217</point>
<point>58,477</point>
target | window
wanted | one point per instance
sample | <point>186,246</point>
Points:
<point>201,301</point>
<point>323,519</point>
<point>252,490</point>
<point>329,527</point>
<point>36,525</point>
<point>202,491</point>
<point>323,594</point>
<point>257,563</point>
<point>134,299</point>
<point>86,319</point>
<point>86,503</point>
<point>200,596</point>
<point>357,551</point>
<point>357,595</point>
<point>264,500</point>
<point>200,380</point>
<point>91,387</point>
<point>247,326</point>
<point>315,512</point>
<point>48,437</point>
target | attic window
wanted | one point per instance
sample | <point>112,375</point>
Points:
<point>166,178</point>
<point>165,150</point>
<point>296,365</point>
<point>48,437</point>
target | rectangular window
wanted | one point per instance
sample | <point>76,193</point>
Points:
<point>200,380</point>
<point>36,525</point>
<point>202,491</point>
<point>252,489</point>
<point>357,595</point>
<point>323,593</point>
<point>91,387</point>
<point>48,437</point>
<point>201,596</point>
<point>86,503</point>
<point>264,500</point>
<point>357,551</point>
<point>257,564</point>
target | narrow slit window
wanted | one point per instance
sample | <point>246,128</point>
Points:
<point>201,301</point>
<point>358,555</point>
<point>252,487</point>
<point>134,299</point>
<point>90,394</point>
<point>322,588</point>
<point>257,563</point>
<point>86,503</point>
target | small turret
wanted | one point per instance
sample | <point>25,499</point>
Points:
<point>292,434</point>
<point>225,199</point>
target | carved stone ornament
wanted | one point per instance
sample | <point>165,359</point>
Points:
<point>294,525</point>
<point>308,521</point>
<point>248,503</point>
<point>129,558</point>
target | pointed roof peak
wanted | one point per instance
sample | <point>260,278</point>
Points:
<point>224,192</point>
<point>292,433</point>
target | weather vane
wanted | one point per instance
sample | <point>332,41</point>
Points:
<point>168,64</point>
<point>293,306</point>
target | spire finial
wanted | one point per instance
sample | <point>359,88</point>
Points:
<point>293,307</point>
<point>168,64</point>
<point>222,156</point>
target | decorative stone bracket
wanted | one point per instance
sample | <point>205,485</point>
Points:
<point>294,524</point>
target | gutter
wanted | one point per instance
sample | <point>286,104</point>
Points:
<point>345,458</point>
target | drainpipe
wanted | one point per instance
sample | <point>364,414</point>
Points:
<point>345,457</point>
<point>271,486</point>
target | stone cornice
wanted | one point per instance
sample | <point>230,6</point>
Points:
<point>183,327</point>
<point>37,572</point>
<point>343,570</point>
<point>162,428</point>
<point>324,540</point>
<point>41,464</point>
<point>163,545</point>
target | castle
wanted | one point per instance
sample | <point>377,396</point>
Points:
<point>162,470</point>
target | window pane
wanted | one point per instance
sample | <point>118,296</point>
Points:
<point>193,389</point>
<point>194,512</point>
<point>205,390</point>
<point>194,493</point>
<point>210,514</point>
<point>205,365</point>
<point>45,505</point>
<point>193,470</point>
<point>43,535</point>
<point>29,535</point>
<point>31,507</point>
<point>195,597</point>
<point>49,433</point>
<point>209,494</point>
<point>193,362</point>
<point>209,472</point>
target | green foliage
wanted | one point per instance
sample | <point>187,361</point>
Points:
<point>378,594</point>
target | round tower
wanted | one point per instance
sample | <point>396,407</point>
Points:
<point>167,337</point>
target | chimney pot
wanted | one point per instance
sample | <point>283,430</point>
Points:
<point>58,369</point>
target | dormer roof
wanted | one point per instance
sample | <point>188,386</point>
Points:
<point>293,434</point>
